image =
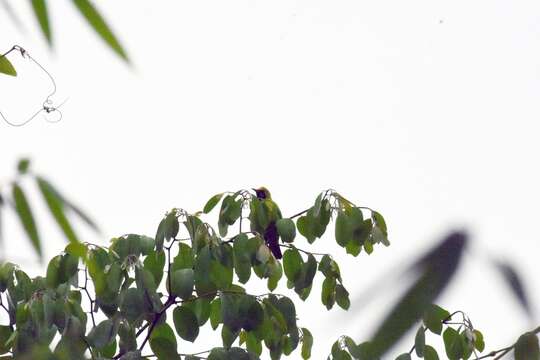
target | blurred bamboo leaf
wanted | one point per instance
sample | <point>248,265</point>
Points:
<point>42,16</point>
<point>11,14</point>
<point>437,267</point>
<point>55,204</point>
<point>26,217</point>
<point>6,67</point>
<point>97,22</point>
<point>513,280</point>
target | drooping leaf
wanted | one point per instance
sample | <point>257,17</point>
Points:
<point>527,348</point>
<point>6,67</point>
<point>185,322</point>
<point>437,268</point>
<point>42,15</point>
<point>102,334</point>
<point>286,230</point>
<point>26,217</point>
<point>154,262</point>
<point>5,334</point>
<point>420,341</point>
<point>430,353</point>
<point>97,22</point>
<point>307,343</point>
<point>55,205</point>
<point>163,342</point>
<point>292,264</point>
<point>479,340</point>
<point>182,282</point>
<point>453,344</point>
<point>342,297</point>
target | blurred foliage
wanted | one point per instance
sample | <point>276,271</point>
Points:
<point>141,296</point>
<point>14,197</point>
<point>41,11</point>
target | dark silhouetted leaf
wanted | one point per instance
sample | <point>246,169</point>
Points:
<point>513,280</point>
<point>526,347</point>
<point>420,342</point>
<point>185,322</point>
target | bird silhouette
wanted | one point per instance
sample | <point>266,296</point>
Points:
<point>270,233</point>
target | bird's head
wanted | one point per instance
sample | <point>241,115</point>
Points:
<point>262,193</point>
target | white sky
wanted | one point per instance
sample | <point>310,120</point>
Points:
<point>424,110</point>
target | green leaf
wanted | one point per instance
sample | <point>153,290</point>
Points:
<point>379,221</point>
<point>154,262</point>
<point>344,231</point>
<point>184,259</point>
<point>132,307</point>
<point>201,308</point>
<point>102,334</point>
<point>53,272</point>
<point>328,292</point>
<point>54,202</point>
<point>288,310</point>
<point>453,344</point>
<point>212,203</point>
<point>433,318</point>
<point>292,264</point>
<point>404,356</point>
<point>215,313</point>
<point>286,230</point>
<point>182,282</point>
<point>436,268</point>
<point>342,297</point>
<point>242,258</point>
<point>203,284</point>
<point>185,322</point>
<point>527,348</point>
<point>96,21</point>
<point>163,342</point>
<point>23,165</point>
<point>6,67</point>
<point>420,341</point>
<point>26,217</point>
<point>430,353</point>
<point>228,336</point>
<point>5,334</point>
<point>41,13</point>
<point>479,341</point>
<point>307,343</point>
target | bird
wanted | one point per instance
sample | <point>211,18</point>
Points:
<point>269,232</point>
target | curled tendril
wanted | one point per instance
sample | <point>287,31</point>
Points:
<point>48,106</point>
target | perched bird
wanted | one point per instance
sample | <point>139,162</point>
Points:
<point>266,223</point>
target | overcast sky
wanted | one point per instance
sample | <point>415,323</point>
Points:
<point>425,110</point>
